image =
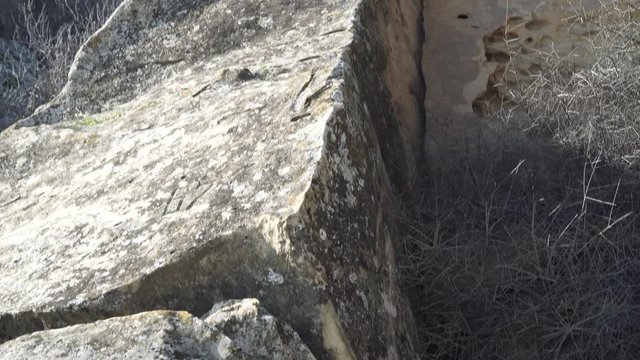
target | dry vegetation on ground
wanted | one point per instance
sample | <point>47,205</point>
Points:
<point>595,108</point>
<point>534,253</point>
<point>54,47</point>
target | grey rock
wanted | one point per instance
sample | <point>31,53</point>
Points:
<point>169,179</point>
<point>256,332</point>
<point>18,73</point>
<point>237,329</point>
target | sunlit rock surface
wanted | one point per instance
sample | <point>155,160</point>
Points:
<point>211,150</point>
<point>233,330</point>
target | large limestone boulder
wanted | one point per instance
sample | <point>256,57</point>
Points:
<point>208,150</point>
<point>233,330</point>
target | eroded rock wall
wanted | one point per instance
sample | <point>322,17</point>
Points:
<point>212,150</point>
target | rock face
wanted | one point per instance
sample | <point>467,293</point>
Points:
<point>209,150</point>
<point>150,335</point>
<point>256,332</point>
<point>234,330</point>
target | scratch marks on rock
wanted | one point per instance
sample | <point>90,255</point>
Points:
<point>16,198</point>
<point>299,104</point>
<point>185,197</point>
<point>300,117</point>
<point>203,89</point>
<point>306,84</point>
<point>315,95</point>
<point>333,31</point>
<point>308,58</point>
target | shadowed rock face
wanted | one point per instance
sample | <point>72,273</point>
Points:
<point>210,150</point>
<point>257,333</point>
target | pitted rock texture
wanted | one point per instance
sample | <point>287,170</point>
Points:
<point>526,46</point>
<point>209,150</point>
<point>471,50</point>
<point>234,330</point>
<point>147,41</point>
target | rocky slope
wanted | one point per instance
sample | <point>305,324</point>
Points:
<point>204,151</point>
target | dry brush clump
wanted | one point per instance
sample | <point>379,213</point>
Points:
<point>530,257</point>
<point>54,47</point>
<point>534,253</point>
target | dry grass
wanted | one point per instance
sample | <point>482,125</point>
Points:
<point>533,257</point>
<point>54,49</point>
<point>534,253</point>
<point>595,108</point>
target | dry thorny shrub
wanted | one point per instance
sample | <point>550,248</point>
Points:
<point>54,46</point>
<point>534,253</point>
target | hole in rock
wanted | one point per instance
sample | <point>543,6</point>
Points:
<point>498,57</point>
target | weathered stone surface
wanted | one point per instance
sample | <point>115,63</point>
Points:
<point>257,333</point>
<point>206,150</point>
<point>150,335</point>
<point>472,49</point>
<point>232,330</point>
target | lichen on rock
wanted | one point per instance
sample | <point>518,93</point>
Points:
<point>211,150</point>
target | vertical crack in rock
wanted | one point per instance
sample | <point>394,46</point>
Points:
<point>403,36</point>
